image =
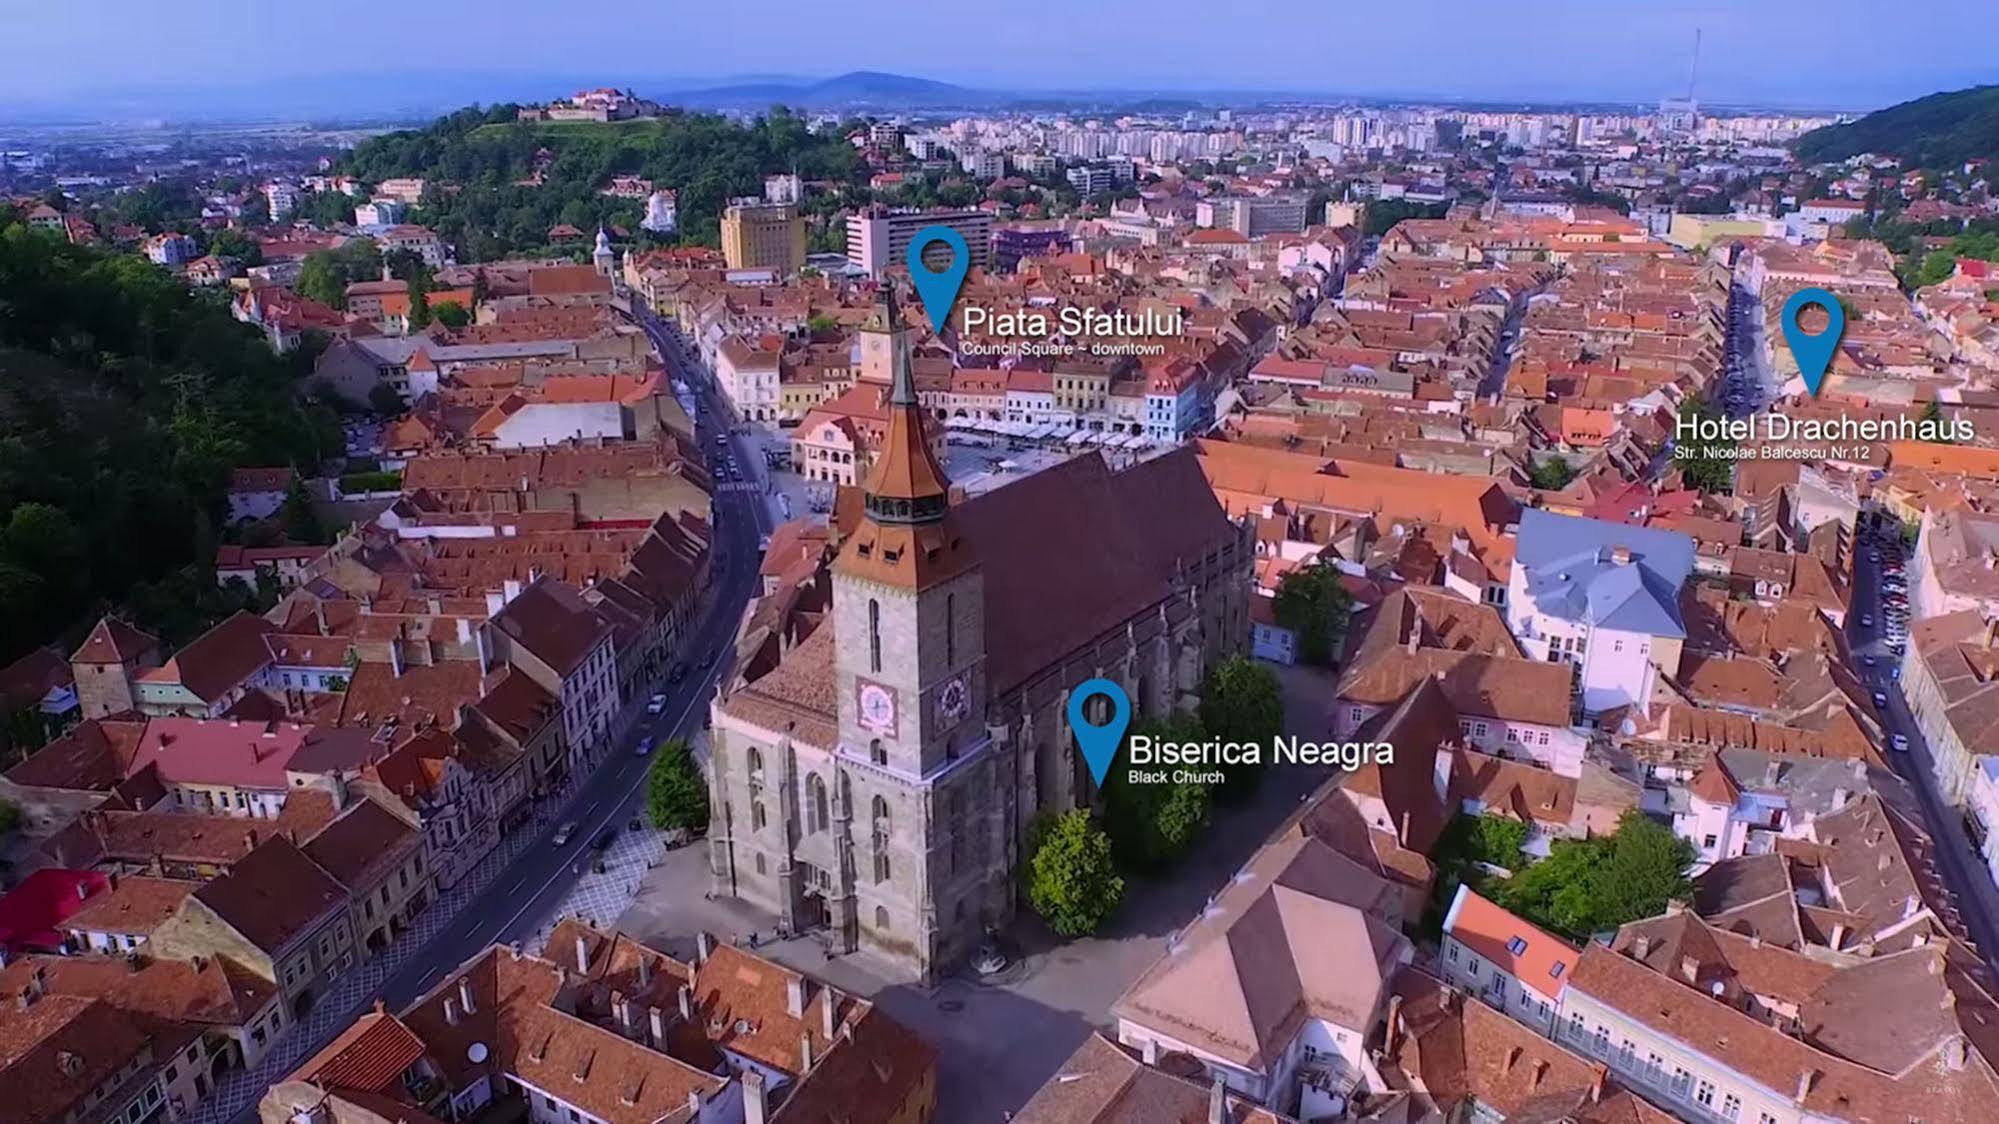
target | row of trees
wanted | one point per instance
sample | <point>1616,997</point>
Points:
<point>125,402</point>
<point>1079,861</point>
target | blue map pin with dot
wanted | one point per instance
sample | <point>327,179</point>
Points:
<point>1814,352</point>
<point>939,290</point>
<point>1099,743</point>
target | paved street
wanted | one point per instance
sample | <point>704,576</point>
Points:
<point>1962,869</point>
<point>1000,1040</point>
<point>526,881</point>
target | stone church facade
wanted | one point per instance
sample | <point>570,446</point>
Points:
<point>878,782</point>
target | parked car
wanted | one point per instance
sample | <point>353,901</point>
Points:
<point>563,833</point>
<point>678,673</point>
<point>1880,700</point>
<point>1900,742</point>
<point>1867,620</point>
<point>655,704</point>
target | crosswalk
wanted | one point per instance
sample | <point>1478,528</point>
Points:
<point>739,486</point>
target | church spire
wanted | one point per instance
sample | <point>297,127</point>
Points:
<point>907,485</point>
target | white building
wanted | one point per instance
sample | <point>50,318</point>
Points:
<point>662,211</point>
<point>878,238</point>
<point>1267,943</point>
<point>1506,961</point>
<point>1602,597</point>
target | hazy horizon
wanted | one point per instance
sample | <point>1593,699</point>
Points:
<point>1837,55</point>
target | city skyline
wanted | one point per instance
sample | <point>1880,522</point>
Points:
<point>1566,52</point>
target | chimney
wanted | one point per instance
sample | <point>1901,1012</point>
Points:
<point>1805,1082</point>
<point>1149,1051</point>
<point>1641,947</point>
<point>1218,1103</point>
<point>804,1052</point>
<point>704,947</point>
<point>1596,1083</point>
<point>1620,556</point>
<point>1836,938</point>
<point>658,1019</point>
<point>1690,969</point>
<point>26,999</point>
<point>1392,1033</point>
<point>582,956</point>
<point>686,998</point>
<point>645,973</point>
<point>754,1111</point>
<point>1402,832</point>
<point>1440,775</point>
<point>465,996</point>
<point>450,1011</point>
<point>794,997</point>
<point>621,1012</point>
<point>829,1012</point>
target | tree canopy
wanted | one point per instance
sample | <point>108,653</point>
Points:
<point>1587,886</point>
<point>1072,881</point>
<point>1705,465</point>
<point>493,161</point>
<point>1151,825</point>
<point>1242,702</point>
<point>1312,603</point>
<point>676,793</point>
<point>125,402</point>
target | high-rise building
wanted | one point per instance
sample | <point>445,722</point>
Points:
<point>758,235</point>
<point>878,237</point>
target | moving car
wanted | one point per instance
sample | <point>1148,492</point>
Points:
<point>1900,742</point>
<point>1880,700</point>
<point>563,833</point>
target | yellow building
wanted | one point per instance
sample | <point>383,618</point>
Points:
<point>763,236</point>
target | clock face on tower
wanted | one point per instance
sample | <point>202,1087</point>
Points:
<point>876,704</point>
<point>954,699</point>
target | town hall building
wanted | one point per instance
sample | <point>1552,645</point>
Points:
<point>879,781</point>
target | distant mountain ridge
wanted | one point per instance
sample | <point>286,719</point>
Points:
<point>1938,131</point>
<point>860,87</point>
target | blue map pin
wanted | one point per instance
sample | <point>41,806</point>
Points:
<point>1099,742</point>
<point>940,290</point>
<point>1813,352</point>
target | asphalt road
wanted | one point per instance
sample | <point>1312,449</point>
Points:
<point>526,894</point>
<point>1963,872</point>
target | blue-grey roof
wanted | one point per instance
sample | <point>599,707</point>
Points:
<point>1572,571</point>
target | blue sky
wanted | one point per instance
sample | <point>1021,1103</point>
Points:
<point>1841,53</point>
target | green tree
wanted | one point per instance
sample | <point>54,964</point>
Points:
<point>1152,825</point>
<point>451,314</point>
<point>385,400</point>
<point>322,278</point>
<point>1313,604</point>
<point>1242,702</point>
<point>1705,465</point>
<point>676,793</point>
<point>1073,882</point>
<point>1588,886</point>
<point>237,246</point>
<point>300,521</point>
<point>419,310</point>
<point>1551,474</point>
